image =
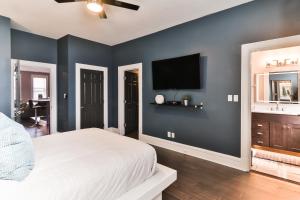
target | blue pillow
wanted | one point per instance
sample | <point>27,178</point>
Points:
<point>16,150</point>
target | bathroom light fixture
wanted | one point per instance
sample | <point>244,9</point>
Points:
<point>94,6</point>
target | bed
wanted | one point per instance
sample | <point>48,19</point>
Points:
<point>91,164</point>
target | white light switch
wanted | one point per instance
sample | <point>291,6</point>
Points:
<point>229,98</point>
<point>236,98</point>
<point>169,134</point>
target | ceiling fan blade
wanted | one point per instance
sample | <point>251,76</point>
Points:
<point>121,4</point>
<point>67,1</point>
<point>102,15</point>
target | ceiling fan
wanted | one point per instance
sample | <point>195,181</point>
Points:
<point>96,6</point>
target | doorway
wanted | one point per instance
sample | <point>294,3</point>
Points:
<point>92,107</point>
<point>247,88</point>
<point>130,100</point>
<point>131,88</point>
<point>91,96</point>
<point>33,89</point>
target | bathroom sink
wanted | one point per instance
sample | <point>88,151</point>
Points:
<point>279,112</point>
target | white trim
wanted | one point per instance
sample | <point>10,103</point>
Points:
<point>105,98</point>
<point>152,188</point>
<point>121,96</point>
<point>247,49</point>
<point>223,159</point>
<point>53,88</point>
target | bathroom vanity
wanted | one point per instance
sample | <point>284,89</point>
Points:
<point>276,130</point>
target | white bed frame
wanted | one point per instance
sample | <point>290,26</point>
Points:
<point>152,188</point>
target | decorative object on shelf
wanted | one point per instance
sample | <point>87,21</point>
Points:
<point>159,99</point>
<point>283,63</point>
<point>186,100</point>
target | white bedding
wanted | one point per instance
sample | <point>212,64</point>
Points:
<point>90,164</point>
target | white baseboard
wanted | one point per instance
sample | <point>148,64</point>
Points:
<point>223,159</point>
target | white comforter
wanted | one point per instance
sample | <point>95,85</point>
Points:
<point>90,164</point>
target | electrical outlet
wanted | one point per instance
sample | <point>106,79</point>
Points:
<point>169,134</point>
<point>173,135</point>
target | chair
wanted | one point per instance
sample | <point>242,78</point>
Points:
<point>35,107</point>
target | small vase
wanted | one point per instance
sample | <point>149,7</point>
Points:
<point>186,102</point>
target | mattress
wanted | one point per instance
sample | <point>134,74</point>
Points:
<point>90,164</point>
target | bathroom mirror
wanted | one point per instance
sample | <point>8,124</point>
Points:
<point>280,87</point>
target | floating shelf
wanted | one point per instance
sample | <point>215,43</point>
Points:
<point>196,107</point>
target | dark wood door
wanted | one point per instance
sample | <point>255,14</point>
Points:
<point>131,102</point>
<point>278,135</point>
<point>92,106</point>
<point>294,138</point>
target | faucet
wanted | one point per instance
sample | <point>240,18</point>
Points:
<point>277,106</point>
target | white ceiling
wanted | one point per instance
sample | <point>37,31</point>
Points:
<point>48,18</point>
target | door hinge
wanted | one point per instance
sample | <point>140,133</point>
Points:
<point>125,125</point>
<point>125,78</point>
<point>125,101</point>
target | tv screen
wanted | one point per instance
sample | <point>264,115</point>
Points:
<point>177,73</point>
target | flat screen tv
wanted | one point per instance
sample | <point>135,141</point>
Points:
<point>177,73</point>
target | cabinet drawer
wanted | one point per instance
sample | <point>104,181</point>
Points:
<point>260,141</point>
<point>260,125</point>
<point>260,133</point>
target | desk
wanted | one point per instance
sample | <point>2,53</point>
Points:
<point>44,109</point>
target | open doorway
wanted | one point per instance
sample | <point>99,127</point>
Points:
<point>33,96</point>
<point>130,100</point>
<point>270,107</point>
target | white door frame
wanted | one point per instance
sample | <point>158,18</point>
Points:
<point>121,96</point>
<point>105,92</point>
<point>53,88</point>
<point>247,50</point>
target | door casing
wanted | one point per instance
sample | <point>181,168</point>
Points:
<point>92,86</point>
<point>121,96</point>
<point>80,66</point>
<point>53,88</point>
<point>131,102</point>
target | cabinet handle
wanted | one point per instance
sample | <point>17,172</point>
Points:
<point>259,133</point>
<point>296,149</point>
<point>277,146</point>
<point>259,125</point>
<point>260,142</point>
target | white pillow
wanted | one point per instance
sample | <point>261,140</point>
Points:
<point>16,150</point>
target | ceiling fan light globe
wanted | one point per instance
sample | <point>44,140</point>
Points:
<point>94,6</point>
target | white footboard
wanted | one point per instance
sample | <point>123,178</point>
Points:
<point>159,197</point>
<point>152,188</point>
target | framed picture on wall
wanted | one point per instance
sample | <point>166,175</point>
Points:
<point>285,90</point>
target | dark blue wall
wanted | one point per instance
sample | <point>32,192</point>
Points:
<point>91,53</point>
<point>28,46</point>
<point>62,82</point>
<point>5,54</point>
<point>218,38</point>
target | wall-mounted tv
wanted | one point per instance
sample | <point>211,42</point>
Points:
<point>177,73</point>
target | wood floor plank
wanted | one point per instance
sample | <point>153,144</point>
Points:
<point>202,180</point>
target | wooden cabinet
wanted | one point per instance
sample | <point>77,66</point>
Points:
<point>278,135</point>
<point>276,131</point>
<point>293,140</point>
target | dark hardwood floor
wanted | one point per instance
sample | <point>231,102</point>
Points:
<point>202,180</point>
<point>35,131</point>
